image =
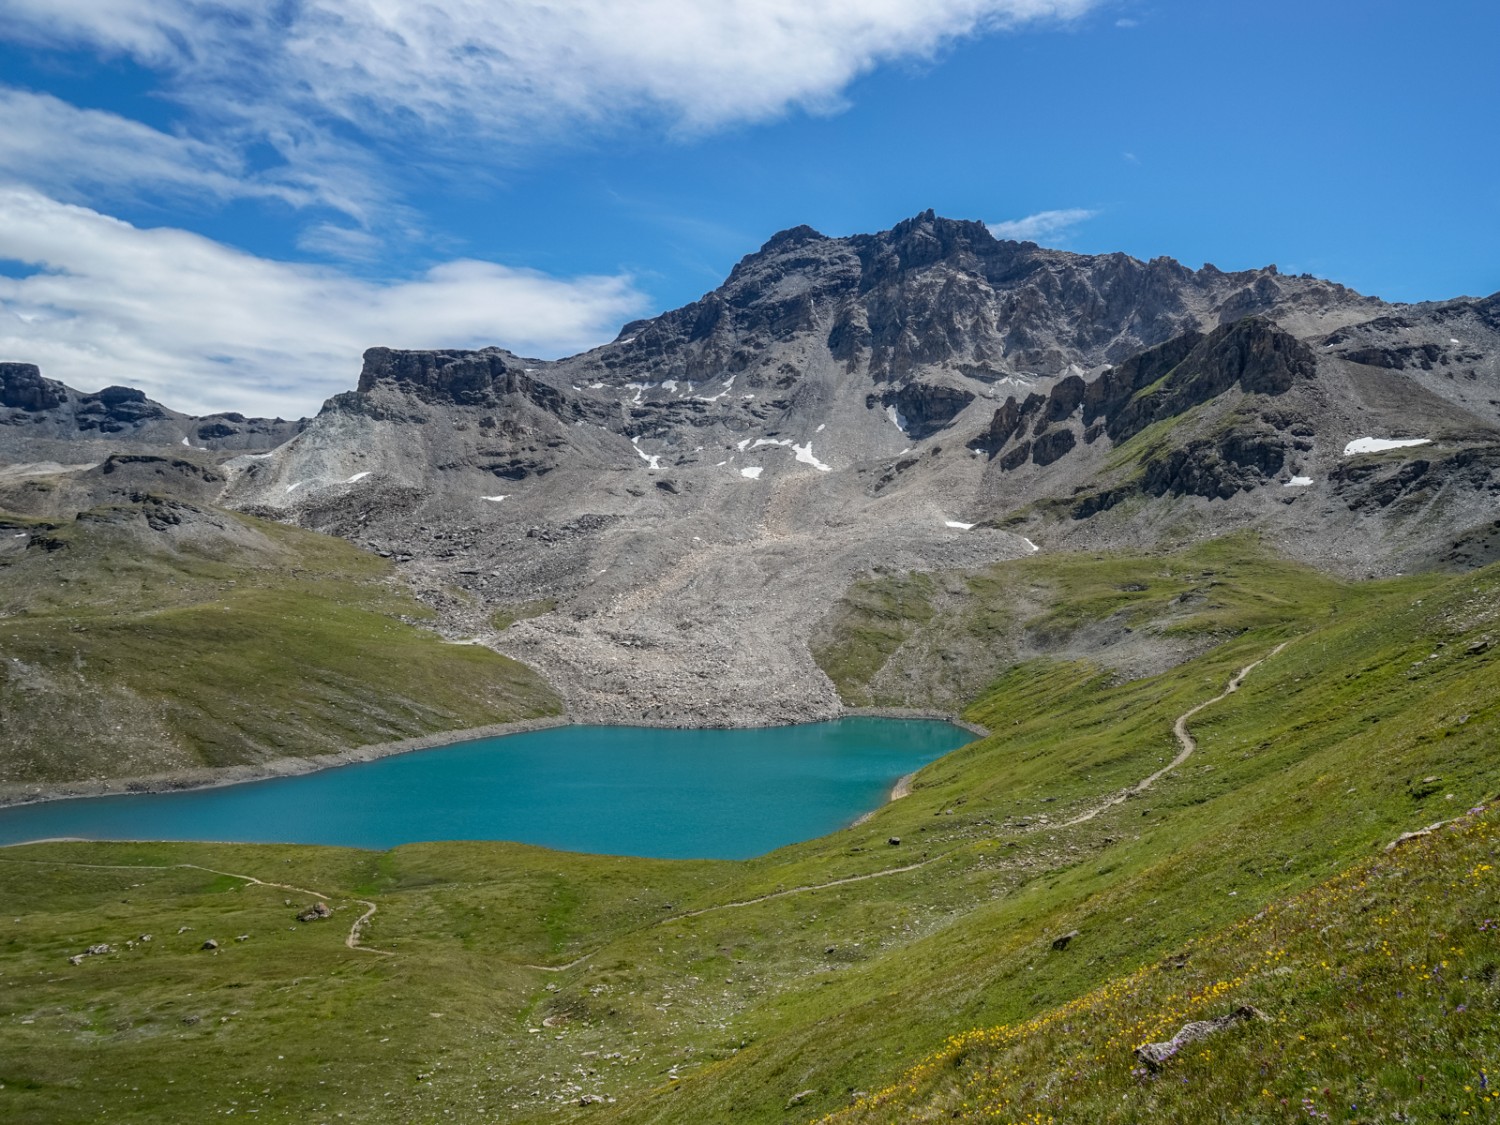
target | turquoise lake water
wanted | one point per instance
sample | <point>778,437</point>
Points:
<point>678,794</point>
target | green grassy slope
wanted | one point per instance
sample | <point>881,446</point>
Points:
<point>126,650</point>
<point>1377,998</point>
<point>697,999</point>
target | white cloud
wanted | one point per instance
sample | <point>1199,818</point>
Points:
<point>516,66</point>
<point>77,153</point>
<point>205,327</point>
<point>1042,226</point>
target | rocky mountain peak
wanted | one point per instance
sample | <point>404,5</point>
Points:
<point>23,388</point>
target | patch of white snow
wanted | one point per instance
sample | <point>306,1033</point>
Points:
<point>357,477</point>
<point>897,418</point>
<point>821,428</point>
<point>1298,482</point>
<point>740,445</point>
<point>960,526</point>
<point>653,460</point>
<point>1379,445</point>
<point>752,472</point>
<point>805,455</point>
<point>187,443</point>
<point>1033,547</point>
<point>494,499</point>
<point>299,484</point>
<point>760,441</point>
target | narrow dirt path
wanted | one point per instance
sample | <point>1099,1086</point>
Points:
<point>352,941</point>
<point>1184,740</point>
<point>805,889</point>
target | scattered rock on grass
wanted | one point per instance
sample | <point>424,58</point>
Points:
<point>1062,942</point>
<point>1154,1054</point>
<point>315,913</point>
<point>798,1098</point>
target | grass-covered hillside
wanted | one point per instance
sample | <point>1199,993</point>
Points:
<point>151,635</point>
<point>1372,997</point>
<point>517,984</point>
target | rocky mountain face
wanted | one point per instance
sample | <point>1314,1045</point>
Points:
<point>42,418</point>
<point>693,496</point>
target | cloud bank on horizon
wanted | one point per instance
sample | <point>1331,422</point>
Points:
<point>315,109</point>
<point>208,328</point>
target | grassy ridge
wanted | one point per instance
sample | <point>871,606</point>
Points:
<point>126,653</point>
<point>691,1007</point>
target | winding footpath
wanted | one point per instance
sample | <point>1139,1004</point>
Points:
<point>1184,740</point>
<point>355,931</point>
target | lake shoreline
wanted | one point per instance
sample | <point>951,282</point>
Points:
<point>16,794</point>
<point>208,777</point>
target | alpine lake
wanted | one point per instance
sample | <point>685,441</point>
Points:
<point>643,791</point>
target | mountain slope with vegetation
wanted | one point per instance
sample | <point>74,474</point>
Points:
<point>790,986</point>
<point>147,635</point>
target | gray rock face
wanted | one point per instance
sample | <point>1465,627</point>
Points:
<point>43,419</point>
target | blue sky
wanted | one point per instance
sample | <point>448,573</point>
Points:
<point>225,202</point>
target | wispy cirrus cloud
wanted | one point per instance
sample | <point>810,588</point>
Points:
<point>205,327</point>
<point>1042,226</point>
<point>75,153</point>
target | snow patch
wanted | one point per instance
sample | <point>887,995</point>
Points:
<point>1298,482</point>
<point>187,443</point>
<point>1379,445</point>
<point>357,477</point>
<point>596,386</point>
<point>669,385</point>
<point>653,460</point>
<point>805,455</point>
<point>740,445</point>
<point>494,499</point>
<point>1454,340</point>
<point>960,526</point>
<point>626,340</point>
<point>821,428</point>
<point>897,418</point>
<point>299,484</point>
<point>752,472</point>
<point>760,441</point>
<point>1032,547</point>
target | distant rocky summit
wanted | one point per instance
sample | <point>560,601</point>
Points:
<point>690,498</point>
<point>42,416</point>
